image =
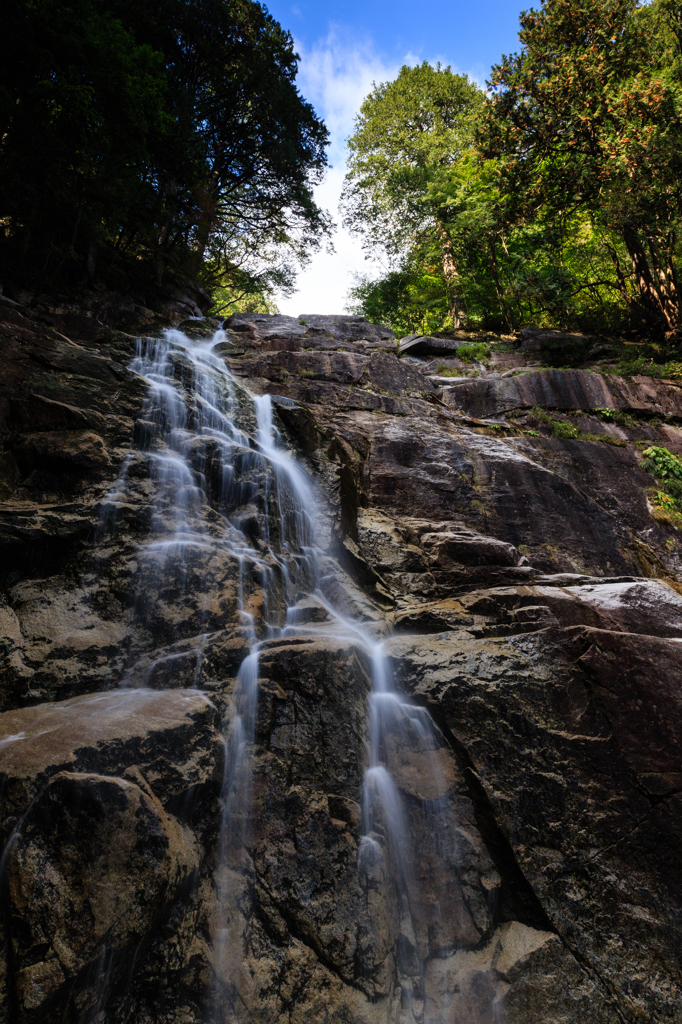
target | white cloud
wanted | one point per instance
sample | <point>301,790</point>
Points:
<point>324,283</point>
<point>335,76</point>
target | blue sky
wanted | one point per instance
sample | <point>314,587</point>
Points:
<point>344,48</point>
<point>470,35</point>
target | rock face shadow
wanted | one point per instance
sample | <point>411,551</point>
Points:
<point>480,823</point>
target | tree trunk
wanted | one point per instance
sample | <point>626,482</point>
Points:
<point>664,267</point>
<point>622,283</point>
<point>90,263</point>
<point>208,218</point>
<point>171,190</point>
<point>650,298</point>
<point>498,287</point>
<point>450,273</point>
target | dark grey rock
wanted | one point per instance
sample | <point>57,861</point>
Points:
<point>537,613</point>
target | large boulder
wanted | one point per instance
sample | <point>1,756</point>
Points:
<point>573,737</point>
<point>171,736</point>
<point>264,328</point>
<point>643,606</point>
<point>90,869</point>
<point>100,808</point>
<point>563,389</point>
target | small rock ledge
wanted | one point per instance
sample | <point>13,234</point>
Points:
<point>498,531</point>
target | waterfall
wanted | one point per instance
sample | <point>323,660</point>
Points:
<point>225,488</point>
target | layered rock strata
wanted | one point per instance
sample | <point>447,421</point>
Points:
<point>530,601</point>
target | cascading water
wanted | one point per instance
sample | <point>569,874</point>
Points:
<point>225,488</point>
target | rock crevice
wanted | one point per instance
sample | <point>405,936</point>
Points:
<point>527,599</point>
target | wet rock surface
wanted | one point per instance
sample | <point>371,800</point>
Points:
<point>564,389</point>
<point>93,864</point>
<point>531,603</point>
<point>574,739</point>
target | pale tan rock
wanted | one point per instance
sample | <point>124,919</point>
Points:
<point>120,729</point>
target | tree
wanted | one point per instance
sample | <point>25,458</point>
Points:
<point>422,194</point>
<point>585,121</point>
<point>409,300</point>
<point>407,137</point>
<point>140,136</point>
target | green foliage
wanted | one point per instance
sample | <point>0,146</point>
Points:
<point>619,416</point>
<point>408,137</point>
<point>247,295</point>
<point>555,202</point>
<point>662,463</point>
<point>566,431</point>
<point>674,487</point>
<point>646,366</point>
<point>585,120</point>
<point>152,141</point>
<point>667,497</point>
<point>666,509</point>
<point>474,353</point>
<point>409,301</point>
<point>423,197</point>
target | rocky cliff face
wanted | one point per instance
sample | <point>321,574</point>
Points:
<point>528,600</point>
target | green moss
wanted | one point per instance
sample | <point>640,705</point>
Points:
<point>569,432</point>
<point>619,416</point>
<point>478,352</point>
<point>647,367</point>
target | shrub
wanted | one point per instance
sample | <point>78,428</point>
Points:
<point>478,352</point>
<point>661,463</point>
<point>565,431</point>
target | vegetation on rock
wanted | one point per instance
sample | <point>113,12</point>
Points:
<point>663,463</point>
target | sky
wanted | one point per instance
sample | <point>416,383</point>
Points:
<point>347,46</point>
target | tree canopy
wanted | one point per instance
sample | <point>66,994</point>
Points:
<point>408,136</point>
<point>586,117</point>
<point>148,141</point>
<point>559,193</point>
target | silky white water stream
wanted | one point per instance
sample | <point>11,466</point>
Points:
<point>199,417</point>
